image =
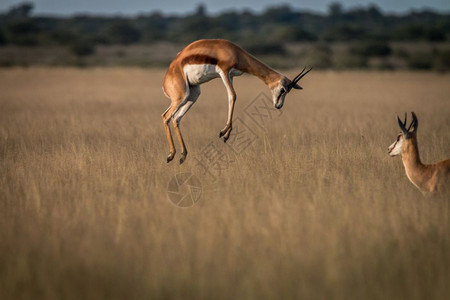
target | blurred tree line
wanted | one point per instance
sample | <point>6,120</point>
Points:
<point>260,33</point>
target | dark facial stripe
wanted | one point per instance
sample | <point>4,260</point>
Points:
<point>199,59</point>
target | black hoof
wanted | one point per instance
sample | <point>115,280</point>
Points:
<point>170,157</point>
<point>183,158</point>
<point>227,135</point>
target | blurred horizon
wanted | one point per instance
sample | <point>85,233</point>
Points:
<point>178,7</point>
<point>363,37</point>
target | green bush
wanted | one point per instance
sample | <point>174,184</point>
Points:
<point>350,61</point>
<point>343,33</point>
<point>62,37</point>
<point>292,34</point>
<point>22,10</point>
<point>82,47</point>
<point>23,32</point>
<point>409,32</point>
<point>265,48</point>
<point>420,61</point>
<point>319,57</point>
<point>379,63</point>
<point>442,61</point>
<point>122,32</point>
<point>371,49</point>
<point>2,38</point>
<point>401,53</point>
<point>435,34</point>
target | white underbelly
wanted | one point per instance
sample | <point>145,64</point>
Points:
<point>198,74</point>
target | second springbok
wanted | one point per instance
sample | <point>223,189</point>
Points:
<point>433,178</point>
<point>204,60</point>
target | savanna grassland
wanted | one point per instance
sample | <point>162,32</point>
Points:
<point>312,208</point>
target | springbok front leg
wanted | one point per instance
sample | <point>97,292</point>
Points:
<point>193,93</point>
<point>228,82</point>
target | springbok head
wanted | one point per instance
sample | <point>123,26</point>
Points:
<point>284,86</point>
<point>407,133</point>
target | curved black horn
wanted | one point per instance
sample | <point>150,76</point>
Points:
<point>406,118</point>
<point>402,125</point>
<point>415,123</point>
<point>299,76</point>
<point>295,78</point>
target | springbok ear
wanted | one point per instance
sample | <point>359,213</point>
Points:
<point>414,123</point>
<point>297,87</point>
<point>402,125</point>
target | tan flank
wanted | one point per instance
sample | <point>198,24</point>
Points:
<point>433,178</point>
<point>204,60</point>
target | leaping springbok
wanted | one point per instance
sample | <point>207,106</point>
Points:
<point>434,178</point>
<point>203,60</point>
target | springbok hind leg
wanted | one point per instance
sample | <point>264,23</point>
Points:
<point>182,110</point>
<point>166,116</point>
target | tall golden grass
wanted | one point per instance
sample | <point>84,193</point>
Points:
<point>313,208</point>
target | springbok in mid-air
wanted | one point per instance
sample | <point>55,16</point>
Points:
<point>203,60</point>
<point>434,178</point>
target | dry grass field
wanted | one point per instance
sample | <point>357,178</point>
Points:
<point>310,206</point>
